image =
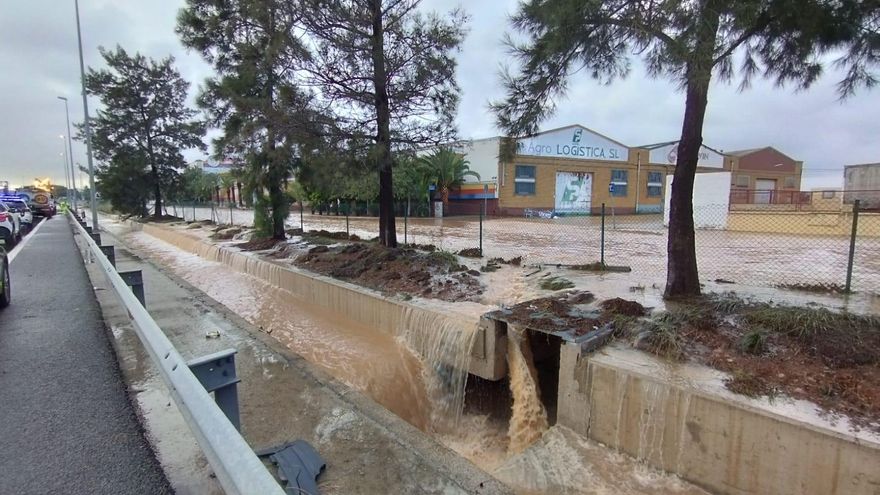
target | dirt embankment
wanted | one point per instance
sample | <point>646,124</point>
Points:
<point>815,354</point>
<point>437,274</point>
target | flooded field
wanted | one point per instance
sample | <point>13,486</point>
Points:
<point>639,242</point>
<point>497,426</point>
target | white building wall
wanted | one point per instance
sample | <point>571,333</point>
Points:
<point>483,157</point>
<point>711,200</point>
<point>667,155</point>
<point>862,182</point>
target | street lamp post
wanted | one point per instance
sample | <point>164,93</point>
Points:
<point>86,126</point>
<point>63,156</point>
<point>70,155</point>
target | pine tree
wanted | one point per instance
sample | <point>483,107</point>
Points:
<point>253,47</point>
<point>690,43</point>
<point>144,119</point>
<point>386,75</point>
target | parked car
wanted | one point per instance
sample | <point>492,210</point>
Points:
<point>26,215</point>
<point>10,225</point>
<point>5,281</point>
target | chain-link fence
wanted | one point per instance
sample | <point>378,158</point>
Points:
<point>808,249</point>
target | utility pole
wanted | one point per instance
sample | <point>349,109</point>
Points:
<point>86,126</point>
<point>70,147</point>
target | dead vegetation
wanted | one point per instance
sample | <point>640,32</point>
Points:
<point>225,234</point>
<point>555,283</point>
<point>814,288</point>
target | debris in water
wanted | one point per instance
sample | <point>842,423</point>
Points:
<point>529,418</point>
<point>212,334</point>
<point>618,306</point>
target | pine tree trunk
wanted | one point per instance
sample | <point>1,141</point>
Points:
<point>387,231</point>
<point>157,193</point>
<point>682,277</point>
<point>154,171</point>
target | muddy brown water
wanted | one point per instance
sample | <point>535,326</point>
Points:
<point>638,241</point>
<point>414,386</point>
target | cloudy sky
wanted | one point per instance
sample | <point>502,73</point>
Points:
<point>38,59</point>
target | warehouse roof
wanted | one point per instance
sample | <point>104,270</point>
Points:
<point>667,143</point>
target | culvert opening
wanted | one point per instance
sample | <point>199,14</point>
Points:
<point>545,352</point>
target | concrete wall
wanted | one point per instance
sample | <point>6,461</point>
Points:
<point>488,356</point>
<point>803,223</point>
<point>680,419</point>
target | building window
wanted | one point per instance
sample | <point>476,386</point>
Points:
<point>655,184</point>
<point>619,183</point>
<point>742,181</point>
<point>827,194</point>
<point>524,182</point>
<point>789,183</point>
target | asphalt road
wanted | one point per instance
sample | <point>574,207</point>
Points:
<point>66,423</point>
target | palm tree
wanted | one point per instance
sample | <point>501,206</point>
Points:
<point>449,170</point>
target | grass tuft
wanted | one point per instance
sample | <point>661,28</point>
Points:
<point>753,342</point>
<point>556,283</point>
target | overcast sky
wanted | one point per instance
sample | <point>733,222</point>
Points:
<point>38,59</point>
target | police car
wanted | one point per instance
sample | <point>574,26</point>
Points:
<point>10,226</point>
<point>26,215</point>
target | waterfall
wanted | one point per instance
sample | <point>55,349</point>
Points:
<point>444,345</point>
<point>529,419</point>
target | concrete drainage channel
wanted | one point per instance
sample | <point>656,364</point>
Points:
<point>675,418</point>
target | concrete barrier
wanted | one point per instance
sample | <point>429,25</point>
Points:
<point>487,355</point>
<point>681,419</point>
<point>803,223</point>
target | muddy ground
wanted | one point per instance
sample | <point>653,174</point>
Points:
<point>405,270</point>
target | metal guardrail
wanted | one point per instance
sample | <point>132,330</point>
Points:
<point>238,469</point>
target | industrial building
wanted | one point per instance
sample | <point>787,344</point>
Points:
<point>764,176</point>
<point>862,182</point>
<point>573,170</point>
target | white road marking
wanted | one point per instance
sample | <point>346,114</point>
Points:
<point>17,249</point>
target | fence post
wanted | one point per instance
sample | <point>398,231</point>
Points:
<point>302,225</point>
<point>347,229</point>
<point>852,246</point>
<point>602,239</point>
<point>482,207</point>
<point>405,218</point>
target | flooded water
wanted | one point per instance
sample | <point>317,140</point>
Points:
<point>749,259</point>
<point>416,375</point>
<point>528,421</point>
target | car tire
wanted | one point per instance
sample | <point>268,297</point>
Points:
<point>8,238</point>
<point>6,294</point>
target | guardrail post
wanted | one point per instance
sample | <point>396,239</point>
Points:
<point>135,280</point>
<point>237,468</point>
<point>110,253</point>
<point>96,237</point>
<point>216,372</point>
<point>88,229</point>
